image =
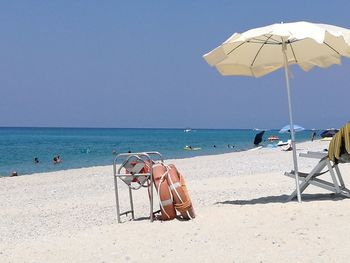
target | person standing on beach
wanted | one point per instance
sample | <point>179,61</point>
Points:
<point>313,136</point>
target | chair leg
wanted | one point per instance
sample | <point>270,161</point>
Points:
<point>318,168</point>
<point>335,182</point>
<point>340,178</point>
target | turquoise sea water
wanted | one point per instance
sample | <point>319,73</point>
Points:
<point>84,147</point>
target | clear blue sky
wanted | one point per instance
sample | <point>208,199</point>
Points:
<point>139,64</point>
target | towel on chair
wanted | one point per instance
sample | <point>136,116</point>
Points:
<point>340,144</point>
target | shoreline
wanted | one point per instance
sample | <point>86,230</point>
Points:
<point>171,159</point>
<point>240,204</point>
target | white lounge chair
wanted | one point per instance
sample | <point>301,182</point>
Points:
<point>336,184</point>
<point>288,146</point>
<point>338,152</point>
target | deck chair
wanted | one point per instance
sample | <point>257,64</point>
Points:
<point>136,172</point>
<point>336,184</point>
<point>338,152</point>
<point>288,146</point>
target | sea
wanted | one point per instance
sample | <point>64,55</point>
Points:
<point>86,147</point>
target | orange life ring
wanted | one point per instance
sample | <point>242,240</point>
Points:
<point>178,189</point>
<point>167,208</point>
<point>171,189</point>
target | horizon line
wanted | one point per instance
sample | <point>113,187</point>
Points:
<point>145,128</point>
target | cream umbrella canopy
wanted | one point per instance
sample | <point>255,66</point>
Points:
<point>263,50</point>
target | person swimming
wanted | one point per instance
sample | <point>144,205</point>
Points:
<point>56,159</point>
<point>14,173</point>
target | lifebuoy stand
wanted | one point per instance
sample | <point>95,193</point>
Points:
<point>136,172</point>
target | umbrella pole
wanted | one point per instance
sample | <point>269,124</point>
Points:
<point>286,71</point>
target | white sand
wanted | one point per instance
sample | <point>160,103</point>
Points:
<point>239,199</point>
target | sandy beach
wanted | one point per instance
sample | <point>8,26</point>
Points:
<point>239,199</point>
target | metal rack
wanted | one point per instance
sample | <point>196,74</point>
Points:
<point>138,173</point>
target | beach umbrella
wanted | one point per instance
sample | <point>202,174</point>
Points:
<point>328,133</point>
<point>258,138</point>
<point>263,50</point>
<point>297,128</point>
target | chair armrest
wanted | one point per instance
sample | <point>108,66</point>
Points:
<point>316,155</point>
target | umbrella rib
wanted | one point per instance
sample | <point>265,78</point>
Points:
<point>331,47</point>
<point>257,53</point>
<point>277,41</point>
<point>291,47</point>
<point>268,37</point>
<point>258,41</point>
<point>274,42</point>
<point>235,48</point>
<point>263,42</point>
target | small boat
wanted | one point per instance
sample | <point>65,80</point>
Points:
<point>273,138</point>
<point>187,130</point>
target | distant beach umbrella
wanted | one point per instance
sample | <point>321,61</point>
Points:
<point>329,133</point>
<point>258,138</point>
<point>297,128</point>
<point>263,50</point>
